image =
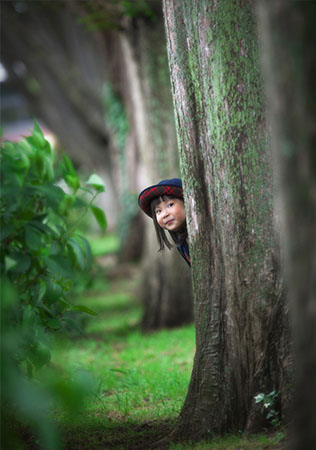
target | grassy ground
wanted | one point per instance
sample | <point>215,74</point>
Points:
<point>139,381</point>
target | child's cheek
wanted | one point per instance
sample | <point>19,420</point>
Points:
<point>160,223</point>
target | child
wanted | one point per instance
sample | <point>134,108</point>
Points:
<point>163,202</point>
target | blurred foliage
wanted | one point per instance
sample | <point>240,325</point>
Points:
<point>102,15</point>
<point>41,256</point>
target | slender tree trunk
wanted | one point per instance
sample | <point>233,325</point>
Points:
<point>148,100</point>
<point>242,342</point>
<point>289,41</point>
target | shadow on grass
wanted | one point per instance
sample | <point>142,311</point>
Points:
<point>154,435</point>
<point>159,435</point>
<point>108,335</point>
<point>116,436</point>
<point>112,309</point>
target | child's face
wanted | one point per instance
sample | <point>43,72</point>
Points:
<point>170,214</point>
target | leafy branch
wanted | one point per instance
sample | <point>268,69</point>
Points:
<point>41,252</point>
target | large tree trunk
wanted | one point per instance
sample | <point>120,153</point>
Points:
<point>242,342</point>
<point>289,40</point>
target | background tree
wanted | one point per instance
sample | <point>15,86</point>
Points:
<point>54,61</point>
<point>289,38</point>
<point>145,89</point>
<point>242,342</point>
<point>107,78</point>
<point>136,51</point>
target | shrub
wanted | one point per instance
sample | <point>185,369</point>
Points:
<point>41,256</point>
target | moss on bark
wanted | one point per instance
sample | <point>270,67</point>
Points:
<point>226,169</point>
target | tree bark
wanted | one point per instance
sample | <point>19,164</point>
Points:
<point>242,340</point>
<point>289,39</point>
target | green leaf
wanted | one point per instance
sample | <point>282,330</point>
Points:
<point>68,167</point>
<point>77,253</point>
<point>38,141</point>
<point>29,317</point>
<point>51,194</point>
<point>83,308</point>
<point>64,305</point>
<point>56,248</point>
<point>50,175</point>
<point>66,204</point>
<point>9,263</point>
<point>258,398</point>
<point>38,291</point>
<point>43,228</point>
<point>26,148</point>
<point>53,292</point>
<point>44,311</point>
<point>59,265</point>
<point>5,231</point>
<point>100,217</point>
<point>32,238</point>
<point>70,175</point>
<point>40,355</point>
<point>87,250</point>
<point>39,165</point>
<point>38,133</point>
<point>96,182</point>
<point>22,160</point>
<point>22,265</point>
<point>273,394</point>
<point>55,324</point>
<point>72,181</point>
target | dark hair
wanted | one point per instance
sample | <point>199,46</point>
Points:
<point>177,236</point>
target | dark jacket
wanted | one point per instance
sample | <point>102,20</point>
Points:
<point>184,251</point>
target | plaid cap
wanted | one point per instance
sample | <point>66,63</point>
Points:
<point>165,187</point>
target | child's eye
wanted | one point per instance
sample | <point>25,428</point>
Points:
<point>170,204</point>
<point>157,211</point>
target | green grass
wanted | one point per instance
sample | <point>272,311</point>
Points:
<point>139,380</point>
<point>138,377</point>
<point>104,245</point>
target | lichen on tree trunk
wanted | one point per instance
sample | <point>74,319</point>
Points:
<point>241,322</point>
